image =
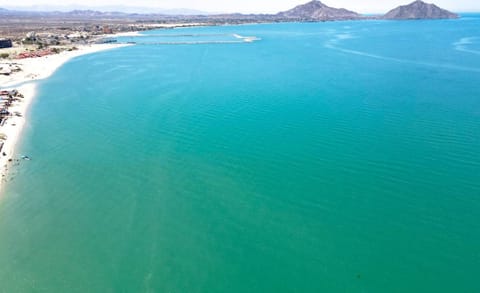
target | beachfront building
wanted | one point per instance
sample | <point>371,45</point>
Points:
<point>5,43</point>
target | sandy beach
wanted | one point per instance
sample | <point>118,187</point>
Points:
<point>32,70</point>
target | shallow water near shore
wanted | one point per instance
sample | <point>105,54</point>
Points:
<point>325,157</point>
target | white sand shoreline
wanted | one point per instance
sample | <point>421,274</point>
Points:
<point>33,70</point>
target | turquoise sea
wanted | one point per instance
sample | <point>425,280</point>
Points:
<point>325,157</point>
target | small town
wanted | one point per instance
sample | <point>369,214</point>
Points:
<point>48,41</point>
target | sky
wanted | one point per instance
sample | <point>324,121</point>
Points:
<point>250,6</point>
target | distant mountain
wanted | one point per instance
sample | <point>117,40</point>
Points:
<point>92,13</point>
<point>311,11</point>
<point>6,12</point>
<point>317,11</point>
<point>419,10</point>
<point>106,9</point>
<point>182,11</point>
<point>73,13</point>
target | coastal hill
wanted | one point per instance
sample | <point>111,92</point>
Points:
<point>419,10</point>
<point>317,11</point>
<point>15,24</point>
<point>311,11</point>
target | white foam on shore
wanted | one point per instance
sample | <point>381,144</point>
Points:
<point>33,70</point>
